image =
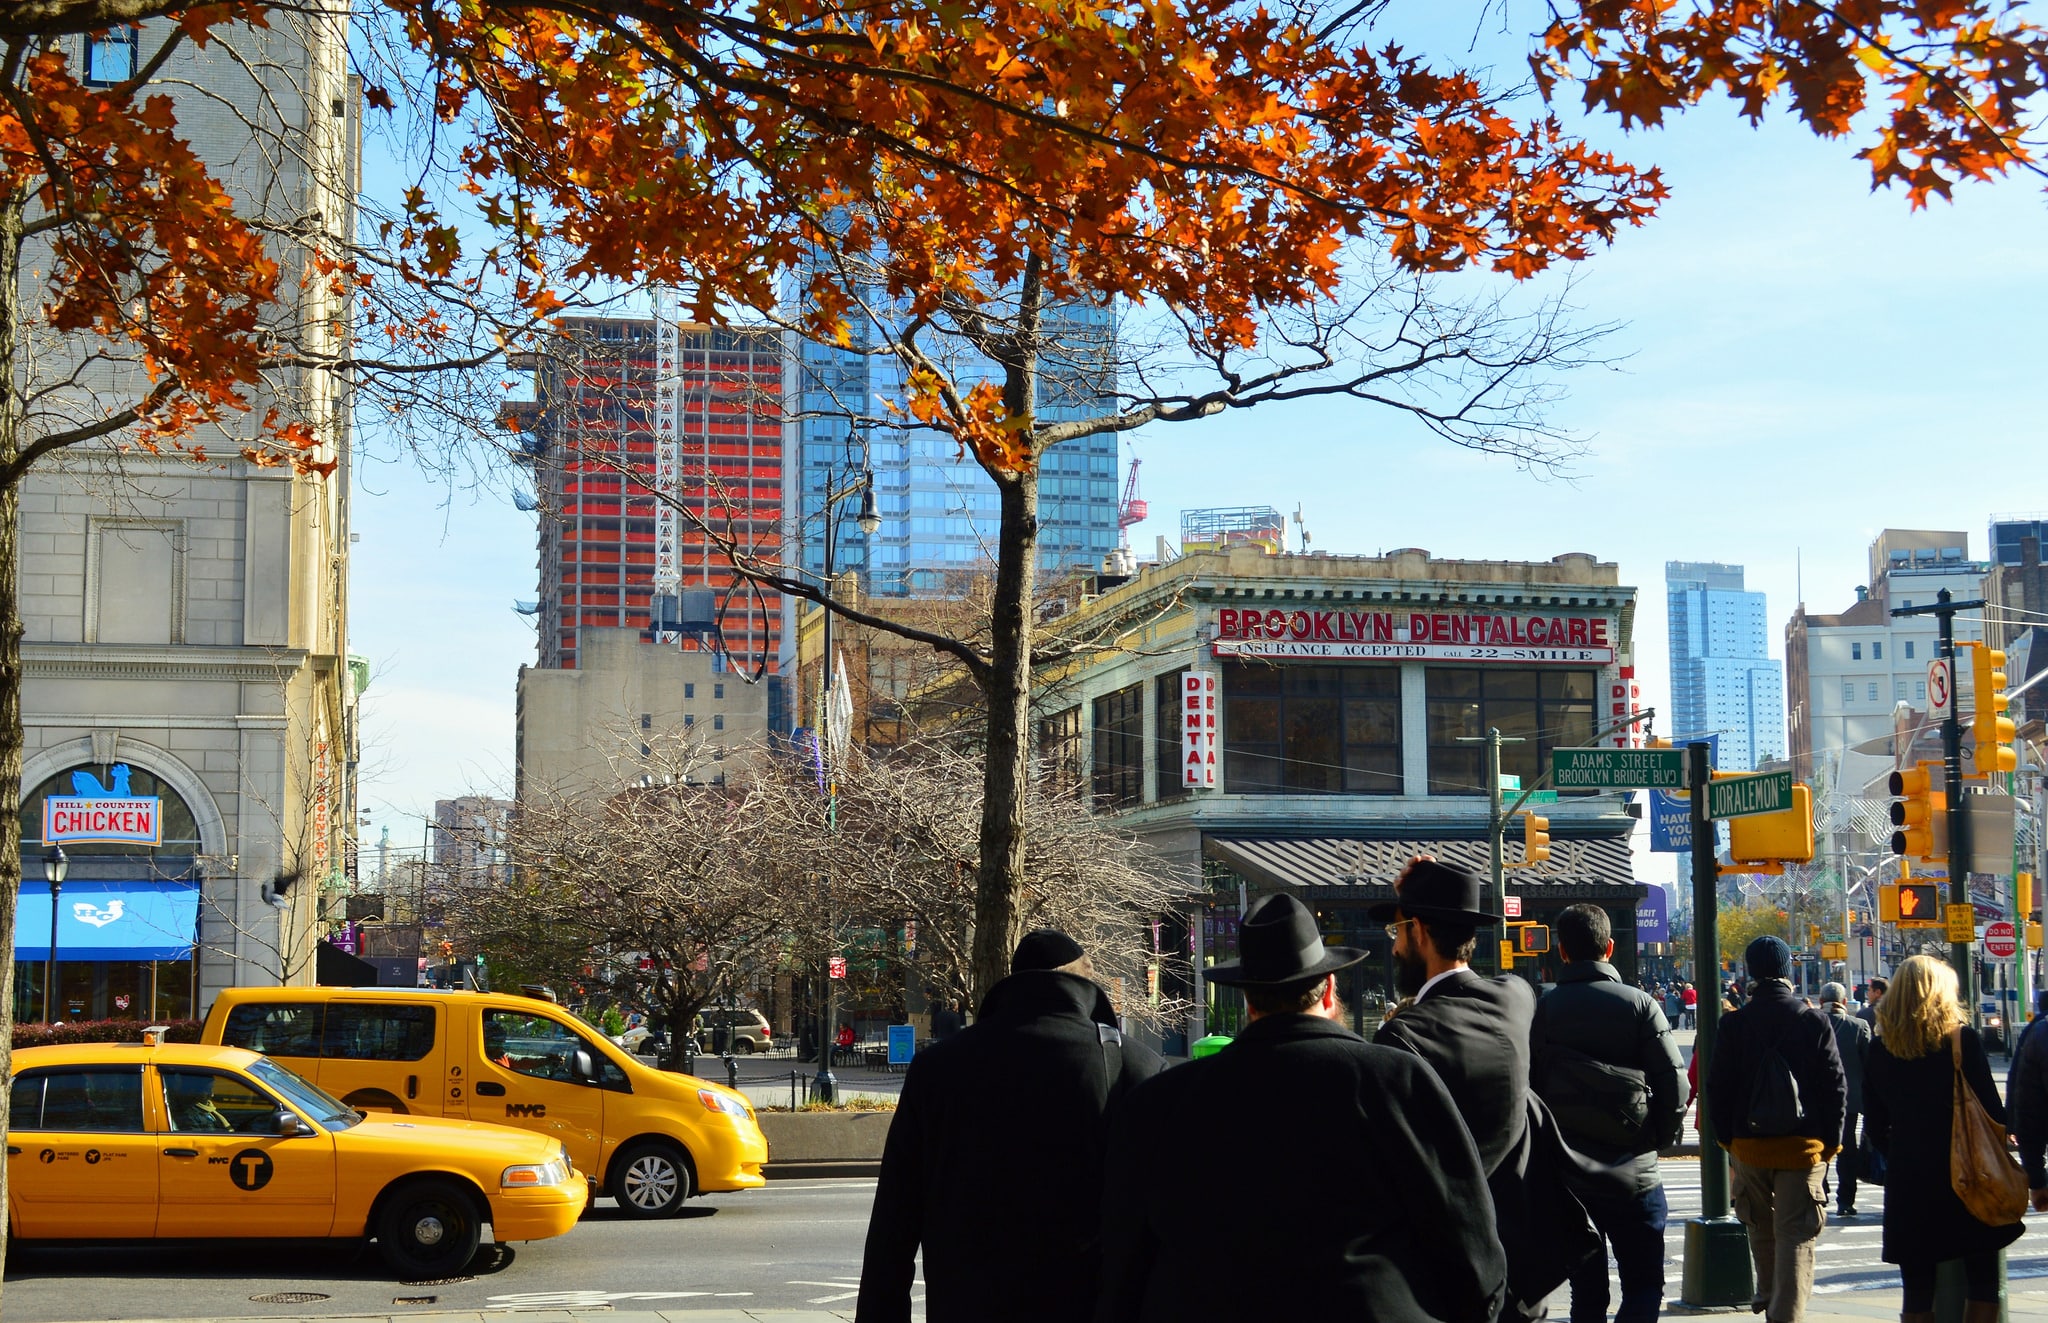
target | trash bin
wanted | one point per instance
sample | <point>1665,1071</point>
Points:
<point>1208,1047</point>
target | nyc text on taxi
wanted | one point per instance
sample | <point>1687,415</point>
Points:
<point>650,1138</point>
<point>173,1141</point>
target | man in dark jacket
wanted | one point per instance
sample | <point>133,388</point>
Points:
<point>1354,1190</point>
<point>1779,1150</point>
<point>1474,1032</point>
<point>1852,1044</point>
<point>1602,1056</point>
<point>1872,996</point>
<point>993,1163</point>
<point>2026,1101</point>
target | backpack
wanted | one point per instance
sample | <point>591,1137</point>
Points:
<point>1597,1102</point>
<point>1774,1105</point>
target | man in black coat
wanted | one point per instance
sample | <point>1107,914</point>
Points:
<point>1779,1150</point>
<point>1352,1191</point>
<point>2026,1101</point>
<point>1852,1045</point>
<point>1474,1032</point>
<point>1602,1057</point>
<point>993,1163</point>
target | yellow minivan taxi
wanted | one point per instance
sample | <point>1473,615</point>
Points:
<point>649,1138</point>
<point>175,1141</point>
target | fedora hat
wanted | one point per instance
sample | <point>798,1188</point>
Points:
<point>1427,889</point>
<point>1278,943</point>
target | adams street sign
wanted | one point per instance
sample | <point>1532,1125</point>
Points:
<point>1617,769</point>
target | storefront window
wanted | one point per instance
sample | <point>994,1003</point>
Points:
<point>1166,769</point>
<point>1059,749</point>
<point>1544,709</point>
<point>1332,730</point>
<point>1119,777</point>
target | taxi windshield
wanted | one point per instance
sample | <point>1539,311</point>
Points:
<point>307,1096</point>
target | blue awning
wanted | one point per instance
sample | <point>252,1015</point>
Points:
<point>108,921</point>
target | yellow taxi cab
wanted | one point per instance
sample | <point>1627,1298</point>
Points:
<point>649,1138</point>
<point>173,1141</point>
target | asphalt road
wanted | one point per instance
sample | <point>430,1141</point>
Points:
<point>794,1245</point>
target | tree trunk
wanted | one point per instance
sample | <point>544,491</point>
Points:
<point>1006,776</point>
<point>11,214</point>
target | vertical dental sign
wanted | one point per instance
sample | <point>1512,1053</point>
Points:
<point>1198,728</point>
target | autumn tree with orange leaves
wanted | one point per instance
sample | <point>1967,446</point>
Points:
<point>1202,157</point>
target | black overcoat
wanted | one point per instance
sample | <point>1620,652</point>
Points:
<point>1908,1112</point>
<point>1300,1173</point>
<point>993,1163</point>
<point>1474,1032</point>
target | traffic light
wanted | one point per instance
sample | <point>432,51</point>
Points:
<point>1813,934</point>
<point>1920,904</point>
<point>1535,838</point>
<point>2023,892</point>
<point>1993,729</point>
<point>1535,938</point>
<point>1782,836</point>
<point>447,950</point>
<point>1920,813</point>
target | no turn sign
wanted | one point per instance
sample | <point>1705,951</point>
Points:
<point>2000,939</point>
<point>1939,687</point>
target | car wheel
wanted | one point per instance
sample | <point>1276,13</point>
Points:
<point>650,1180</point>
<point>747,1047</point>
<point>429,1229</point>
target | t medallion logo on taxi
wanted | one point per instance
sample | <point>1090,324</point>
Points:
<point>1435,635</point>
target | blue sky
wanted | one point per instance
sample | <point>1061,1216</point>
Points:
<point>1806,363</point>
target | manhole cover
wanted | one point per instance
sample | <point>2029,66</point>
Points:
<point>288,1298</point>
<point>437,1281</point>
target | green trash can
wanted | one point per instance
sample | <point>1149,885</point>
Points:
<point>1208,1047</point>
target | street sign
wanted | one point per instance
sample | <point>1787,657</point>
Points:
<point>2000,940</point>
<point>1511,907</point>
<point>1940,687</point>
<point>1742,796</point>
<point>835,966</point>
<point>1541,797</point>
<point>1507,955</point>
<point>1510,781</point>
<point>1962,923</point>
<point>1617,769</point>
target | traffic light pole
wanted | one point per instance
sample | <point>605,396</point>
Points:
<point>1943,609</point>
<point>1718,1270</point>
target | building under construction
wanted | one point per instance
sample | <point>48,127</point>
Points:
<point>603,438</point>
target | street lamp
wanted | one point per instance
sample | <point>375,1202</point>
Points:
<point>55,865</point>
<point>825,1085</point>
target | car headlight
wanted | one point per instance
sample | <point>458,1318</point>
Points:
<point>719,1102</point>
<point>534,1176</point>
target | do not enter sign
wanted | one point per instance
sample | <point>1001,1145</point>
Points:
<point>2000,939</point>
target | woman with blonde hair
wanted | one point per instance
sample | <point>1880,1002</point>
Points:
<point>1909,1110</point>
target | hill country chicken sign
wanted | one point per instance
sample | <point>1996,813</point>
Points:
<point>1470,636</point>
<point>103,813</point>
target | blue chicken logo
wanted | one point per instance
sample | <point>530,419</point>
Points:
<point>87,786</point>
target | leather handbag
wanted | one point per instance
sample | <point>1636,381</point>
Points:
<point>1980,1167</point>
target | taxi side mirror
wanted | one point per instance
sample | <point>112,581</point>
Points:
<point>582,1065</point>
<point>288,1125</point>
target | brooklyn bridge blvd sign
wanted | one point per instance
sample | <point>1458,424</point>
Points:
<point>1617,769</point>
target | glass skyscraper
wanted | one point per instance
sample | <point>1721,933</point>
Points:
<point>1723,680</point>
<point>939,511</point>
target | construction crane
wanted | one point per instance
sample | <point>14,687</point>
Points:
<point>1131,509</point>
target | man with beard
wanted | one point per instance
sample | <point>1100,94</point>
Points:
<point>1475,1033</point>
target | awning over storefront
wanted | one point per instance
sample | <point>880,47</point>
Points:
<point>1334,865</point>
<point>108,921</point>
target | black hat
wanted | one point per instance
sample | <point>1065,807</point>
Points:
<point>1427,889</point>
<point>1767,957</point>
<point>1278,943</point>
<point>1044,948</point>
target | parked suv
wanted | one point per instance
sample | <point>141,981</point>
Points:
<point>650,1138</point>
<point>749,1028</point>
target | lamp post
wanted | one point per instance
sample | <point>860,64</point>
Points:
<point>55,865</point>
<point>825,1086</point>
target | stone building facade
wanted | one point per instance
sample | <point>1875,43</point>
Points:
<point>186,622</point>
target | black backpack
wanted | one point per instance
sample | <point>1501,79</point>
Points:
<point>1774,1105</point>
<point>1596,1101</point>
